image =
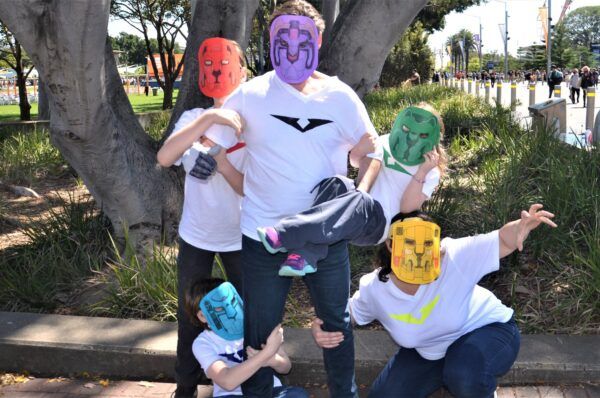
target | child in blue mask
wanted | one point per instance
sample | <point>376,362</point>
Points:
<point>216,306</point>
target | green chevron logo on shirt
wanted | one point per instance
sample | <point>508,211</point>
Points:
<point>425,312</point>
<point>389,161</point>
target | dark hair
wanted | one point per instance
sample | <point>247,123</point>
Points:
<point>299,7</point>
<point>384,258</point>
<point>194,293</point>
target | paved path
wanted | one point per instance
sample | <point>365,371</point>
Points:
<point>575,112</point>
<point>74,388</point>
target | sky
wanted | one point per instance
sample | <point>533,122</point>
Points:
<point>524,28</point>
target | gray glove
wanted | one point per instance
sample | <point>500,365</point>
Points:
<point>205,165</point>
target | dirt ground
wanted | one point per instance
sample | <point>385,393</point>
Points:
<point>18,211</point>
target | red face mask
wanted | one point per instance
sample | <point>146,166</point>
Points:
<point>219,66</point>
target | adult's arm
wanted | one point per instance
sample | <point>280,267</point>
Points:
<point>368,167</point>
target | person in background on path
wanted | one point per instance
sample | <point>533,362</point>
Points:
<point>587,81</point>
<point>575,84</point>
<point>215,307</point>
<point>493,78</point>
<point>210,221</point>
<point>554,79</point>
<point>451,331</point>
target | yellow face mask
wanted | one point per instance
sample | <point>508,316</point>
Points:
<point>415,250</point>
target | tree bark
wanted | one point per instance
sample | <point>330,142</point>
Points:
<point>231,19</point>
<point>362,36</point>
<point>92,122</point>
<point>43,106</point>
<point>330,10</point>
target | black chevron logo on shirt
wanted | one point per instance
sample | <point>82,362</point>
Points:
<point>293,121</point>
<point>236,357</point>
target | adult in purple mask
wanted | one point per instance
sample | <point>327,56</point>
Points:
<point>299,126</point>
<point>294,47</point>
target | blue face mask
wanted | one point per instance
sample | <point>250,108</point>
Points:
<point>223,309</point>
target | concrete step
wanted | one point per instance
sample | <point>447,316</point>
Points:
<point>136,349</point>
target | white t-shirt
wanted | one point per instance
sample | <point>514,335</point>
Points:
<point>211,208</point>
<point>293,142</point>
<point>442,311</point>
<point>390,184</point>
<point>208,348</point>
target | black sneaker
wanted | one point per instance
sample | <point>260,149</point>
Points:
<point>185,392</point>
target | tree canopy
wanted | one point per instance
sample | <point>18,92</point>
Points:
<point>582,26</point>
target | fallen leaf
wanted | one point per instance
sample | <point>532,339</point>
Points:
<point>145,384</point>
<point>104,382</point>
<point>10,378</point>
<point>523,290</point>
<point>56,380</point>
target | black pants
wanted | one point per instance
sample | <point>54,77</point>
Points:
<point>193,264</point>
<point>573,92</point>
<point>550,89</point>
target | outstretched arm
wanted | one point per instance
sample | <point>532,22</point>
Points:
<point>513,234</point>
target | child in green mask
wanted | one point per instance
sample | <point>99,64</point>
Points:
<point>413,161</point>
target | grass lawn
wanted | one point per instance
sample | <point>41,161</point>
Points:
<point>139,102</point>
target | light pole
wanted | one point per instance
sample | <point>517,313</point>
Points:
<point>549,41</point>
<point>505,41</point>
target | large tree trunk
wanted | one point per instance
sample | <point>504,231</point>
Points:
<point>231,19</point>
<point>330,10</point>
<point>362,37</point>
<point>92,122</point>
<point>43,106</point>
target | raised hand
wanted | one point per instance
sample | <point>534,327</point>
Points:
<point>274,341</point>
<point>530,221</point>
<point>325,339</point>
<point>229,118</point>
<point>432,159</point>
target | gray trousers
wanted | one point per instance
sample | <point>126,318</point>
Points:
<point>338,213</point>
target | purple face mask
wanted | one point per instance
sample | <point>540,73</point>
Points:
<point>294,47</point>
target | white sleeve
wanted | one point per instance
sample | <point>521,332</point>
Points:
<point>186,118</point>
<point>359,304</point>
<point>432,180</point>
<point>474,256</point>
<point>359,122</point>
<point>378,152</point>
<point>205,352</point>
<point>225,135</point>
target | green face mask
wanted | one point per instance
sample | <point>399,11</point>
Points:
<point>415,132</point>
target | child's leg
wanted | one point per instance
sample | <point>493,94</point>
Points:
<point>342,218</point>
<point>303,261</point>
<point>474,361</point>
<point>192,264</point>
